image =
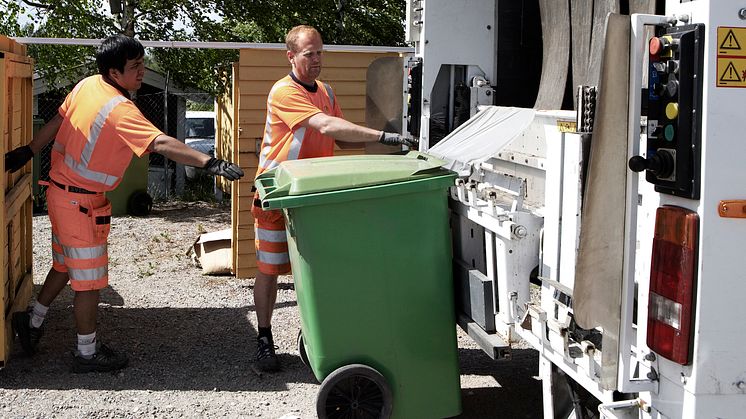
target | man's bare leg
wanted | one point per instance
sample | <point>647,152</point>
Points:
<point>86,309</point>
<point>53,284</point>
<point>265,295</point>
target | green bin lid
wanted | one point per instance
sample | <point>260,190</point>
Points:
<point>306,176</point>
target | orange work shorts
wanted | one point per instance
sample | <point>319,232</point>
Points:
<point>80,229</point>
<point>271,241</point>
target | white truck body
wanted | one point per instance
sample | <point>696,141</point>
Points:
<point>531,208</point>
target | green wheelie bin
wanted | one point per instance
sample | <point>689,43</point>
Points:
<point>370,249</point>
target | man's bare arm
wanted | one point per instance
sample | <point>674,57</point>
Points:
<point>178,151</point>
<point>181,153</point>
<point>340,129</point>
<point>46,133</point>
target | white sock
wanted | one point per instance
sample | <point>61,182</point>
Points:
<point>87,345</point>
<point>37,314</point>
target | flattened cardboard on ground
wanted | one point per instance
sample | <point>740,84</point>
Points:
<point>212,252</point>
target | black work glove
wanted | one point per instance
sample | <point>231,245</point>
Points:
<point>223,168</point>
<point>16,159</point>
<point>392,138</point>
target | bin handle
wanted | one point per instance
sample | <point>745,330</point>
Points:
<point>268,189</point>
<point>265,185</point>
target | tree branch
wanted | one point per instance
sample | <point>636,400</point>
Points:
<point>39,5</point>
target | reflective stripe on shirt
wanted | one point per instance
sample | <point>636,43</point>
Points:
<point>81,168</point>
<point>267,140</point>
<point>297,143</point>
<point>330,93</point>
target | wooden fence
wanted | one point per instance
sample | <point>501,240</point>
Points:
<point>16,70</point>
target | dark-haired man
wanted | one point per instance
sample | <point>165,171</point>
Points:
<point>303,121</point>
<point>97,129</point>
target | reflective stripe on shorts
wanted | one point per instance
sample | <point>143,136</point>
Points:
<point>271,243</point>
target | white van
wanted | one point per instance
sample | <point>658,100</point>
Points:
<point>199,134</point>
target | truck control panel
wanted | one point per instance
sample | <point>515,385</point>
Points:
<point>674,111</point>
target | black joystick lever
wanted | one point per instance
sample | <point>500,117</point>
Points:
<point>661,164</point>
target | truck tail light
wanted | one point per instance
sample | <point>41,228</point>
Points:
<point>672,281</point>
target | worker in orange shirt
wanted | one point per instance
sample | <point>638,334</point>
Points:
<point>303,120</point>
<point>97,130</point>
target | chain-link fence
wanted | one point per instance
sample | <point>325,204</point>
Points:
<point>186,115</point>
<point>190,118</point>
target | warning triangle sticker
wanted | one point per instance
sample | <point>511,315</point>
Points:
<point>730,42</point>
<point>730,74</point>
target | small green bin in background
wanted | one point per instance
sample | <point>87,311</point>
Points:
<point>134,181</point>
<point>370,248</point>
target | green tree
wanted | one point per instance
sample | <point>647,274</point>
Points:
<point>341,22</point>
<point>10,19</point>
<point>366,22</point>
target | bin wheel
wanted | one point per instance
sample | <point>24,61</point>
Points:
<point>139,203</point>
<point>302,350</point>
<point>354,390</point>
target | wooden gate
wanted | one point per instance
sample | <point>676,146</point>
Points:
<point>16,70</point>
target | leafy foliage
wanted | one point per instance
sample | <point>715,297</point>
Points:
<point>365,22</point>
<point>10,19</point>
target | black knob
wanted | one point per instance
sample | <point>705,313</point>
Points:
<point>672,88</point>
<point>661,164</point>
<point>637,164</point>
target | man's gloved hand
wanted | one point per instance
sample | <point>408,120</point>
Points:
<point>392,138</point>
<point>16,159</point>
<point>223,168</point>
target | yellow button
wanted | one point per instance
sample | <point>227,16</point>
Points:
<point>672,110</point>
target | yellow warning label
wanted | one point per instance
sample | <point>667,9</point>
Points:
<point>731,72</point>
<point>731,41</point>
<point>567,126</point>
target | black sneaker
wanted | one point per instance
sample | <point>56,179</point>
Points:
<point>266,359</point>
<point>105,359</point>
<point>29,336</point>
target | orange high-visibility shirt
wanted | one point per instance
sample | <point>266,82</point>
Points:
<point>289,104</point>
<point>100,131</point>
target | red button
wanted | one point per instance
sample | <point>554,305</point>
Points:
<point>655,46</point>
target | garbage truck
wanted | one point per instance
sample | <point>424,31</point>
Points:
<point>600,208</point>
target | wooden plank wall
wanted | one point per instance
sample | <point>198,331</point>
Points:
<point>226,131</point>
<point>16,127</point>
<point>254,75</point>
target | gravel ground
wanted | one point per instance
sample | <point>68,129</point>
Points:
<point>190,339</point>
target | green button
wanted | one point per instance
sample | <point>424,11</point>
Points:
<point>669,132</point>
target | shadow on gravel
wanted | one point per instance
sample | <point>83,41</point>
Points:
<point>280,286</point>
<point>500,389</point>
<point>191,213</point>
<point>169,349</point>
